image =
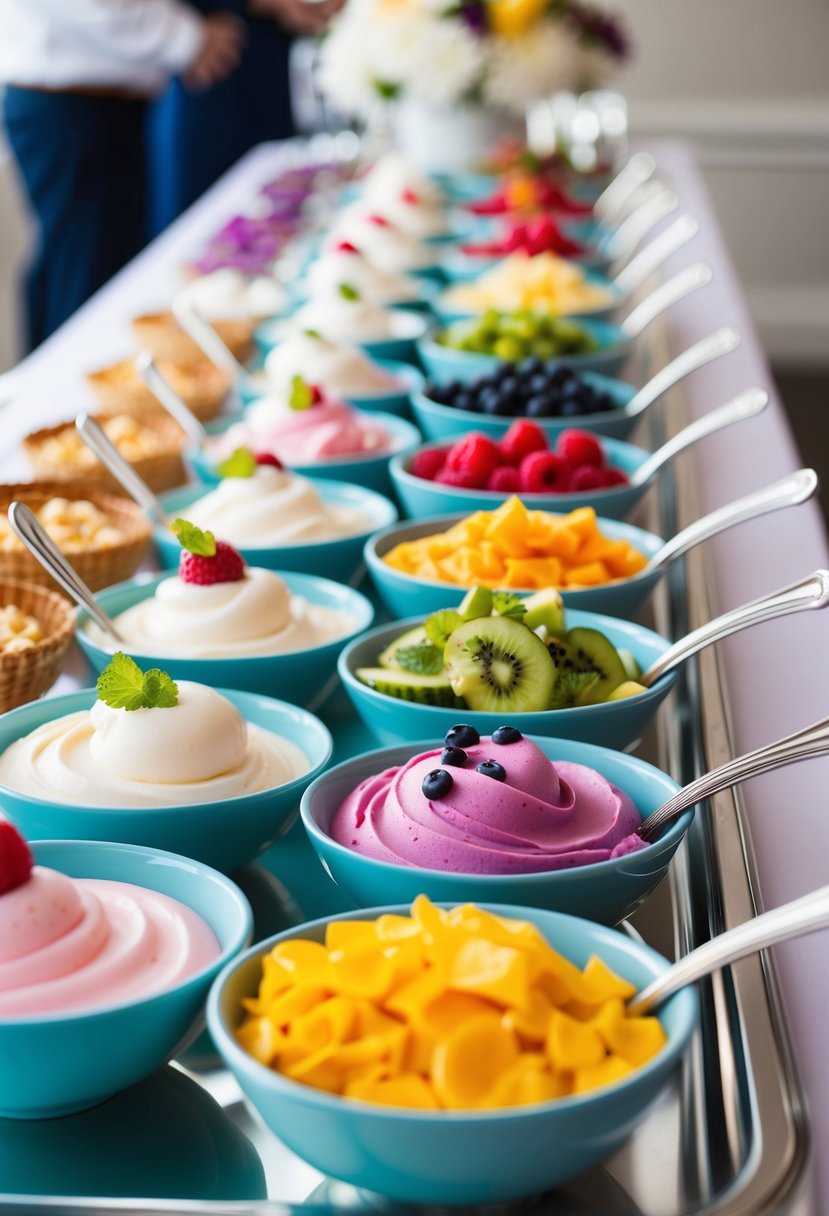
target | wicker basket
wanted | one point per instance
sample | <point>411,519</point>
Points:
<point>162,469</point>
<point>27,674</point>
<point>161,335</point>
<point>119,389</point>
<point>97,567</point>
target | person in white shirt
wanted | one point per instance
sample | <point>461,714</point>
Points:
<point>78,76</point>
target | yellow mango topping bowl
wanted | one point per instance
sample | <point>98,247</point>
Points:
<point>448,1055</point>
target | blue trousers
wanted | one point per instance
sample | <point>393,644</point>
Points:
<point>195,137</point>
<point>82,159</point>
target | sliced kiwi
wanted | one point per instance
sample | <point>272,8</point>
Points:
<point>545,608</point>
<point>477,602</point>
<point>412,637</point>
<point>590,651</point>
<point>571,683</point>
<point>632,669</point>
<point>497,664</point>
<point>407,686</point>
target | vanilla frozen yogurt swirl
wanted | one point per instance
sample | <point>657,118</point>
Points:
<point>256,615</point>
<point>388,246</point>
<point>378,286</point>
<point>339,369</point>
<point>228,295</point>
<point>273,508</point>
<point>348,320</point>
<point>71,944</point>
<point>543,817</point>
<point>200,750</point>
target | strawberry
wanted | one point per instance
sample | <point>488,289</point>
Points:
<point>544,473</point>
<point>268,458</point>
<point>428,463</point>
<point>522,438</point>
<point>476,457</point>
<point>15,858</point>
<point>580,447</point>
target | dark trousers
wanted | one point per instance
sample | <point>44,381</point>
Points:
<point>82,159</point>
<point>195,137</point>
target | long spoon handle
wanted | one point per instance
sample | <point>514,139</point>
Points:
<point>100,444</point>
<point>655,253</point>
<point>633,174</point>
<point>699,274</point>
<point>720,342</point>
<point>748,405</point>
<point>161,388</point>
<point>801,916</point>
<point>38,541</point>
<point>789,491</point>
<point>807,593</point>
<point>205,336</point>
<point>650,205</point>
<point>813,741</point>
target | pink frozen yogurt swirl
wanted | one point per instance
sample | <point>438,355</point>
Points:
<point>329,429</point>
<point>543,817</point>
<point>77,944</point>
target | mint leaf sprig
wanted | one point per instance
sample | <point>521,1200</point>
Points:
<point>240,463</point>
<point>193,539</point>
<point>123,685</point>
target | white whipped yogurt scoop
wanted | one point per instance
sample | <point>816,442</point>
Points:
<point>30,531</point>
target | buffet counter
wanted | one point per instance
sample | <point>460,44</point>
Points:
<point>787,827</point>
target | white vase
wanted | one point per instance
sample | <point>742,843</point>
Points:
<point>441,139</point>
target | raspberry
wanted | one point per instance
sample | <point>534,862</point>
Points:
<point>580,447</point>
<point>588,477</point>
<point>15,858</point>
<point>505,480</point>
<point>522,438</point>
<point>226,566</point>
<point>346,247</point>
<point>455,477</point>
<point>428,463</point>
<point>615,477</point>
<point>379,221</point>
<point>544,473</point>
<point>269,459</point>
<point>409,196</point>
<point>476,457</point>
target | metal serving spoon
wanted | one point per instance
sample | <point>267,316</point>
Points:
<point>207,339</point>
<point>39,543</point>
<point>812,741</point>
<point>699,274</point>
<point>720,342</point>
<point>647,260</point>
<point>100,444</point>
<point>161,388</point>
<point>612,201</point>
<point>657,204</point>
<point>789,491</point>
<point>800,916</point>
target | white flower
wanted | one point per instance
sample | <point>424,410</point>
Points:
<point>346,68</point>
<point>531,66</point>
<point>447,61</point>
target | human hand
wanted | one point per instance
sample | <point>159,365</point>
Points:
<point>219,53</point>
<point>305,17</point>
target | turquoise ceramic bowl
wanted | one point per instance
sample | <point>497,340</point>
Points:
<point>406,596</point>
<point>409,328</point>
<point>341,559</point>
<point>368,469</point>
<point>298,676</point>
<point>447,313</point>
<point>456,1157</point>
<point>54,1064</point>
<point>615,724</point>
<point>606,891</point>
<point>438,421</point>
<point>444,363</point>
<point>392,400</point>
<point>418,496</point>
<point>225,834</point>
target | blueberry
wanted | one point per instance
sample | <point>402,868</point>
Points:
<point>491,768</point>
<point>503,373</point>
<point>489,400</point>
<point>510,385</point>
<point>503,735</point>
<point>456,757</point>
<point>570,408</point>
<point>464,401</point>
<point>539,383</point>
<point>437,784</point>
<point>529,366</point>
<point>462,735</point>
<point>541,406</point>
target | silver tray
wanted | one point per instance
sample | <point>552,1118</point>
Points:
<point>730,1136</point>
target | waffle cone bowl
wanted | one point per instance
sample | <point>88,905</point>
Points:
<point>161,335</point>
<point>118,388</point>
<point>162,468</point>
<point>27,674</point>
<point>98,566</point>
